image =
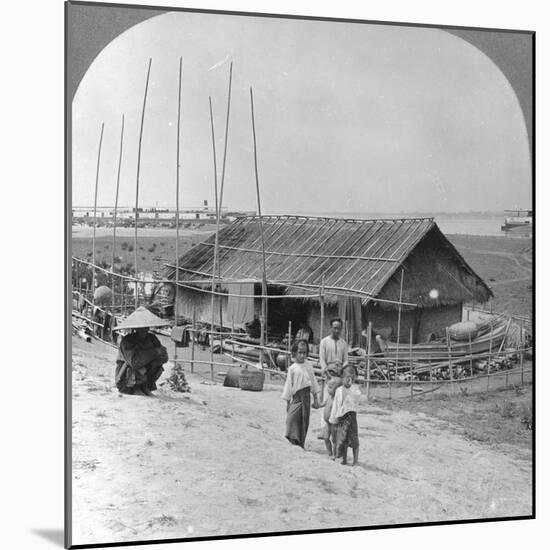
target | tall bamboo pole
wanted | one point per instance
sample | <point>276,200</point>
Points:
<point>116,204</point>
<point>215,260</point>
<point>95,207</point>
<point>263,318</point>
<point>176,297</point>
<point>222,186</point>
<point>137,182</point>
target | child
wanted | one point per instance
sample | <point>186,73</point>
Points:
<point>344,416</point>
<point>327,431</point>
<point>300,383</point>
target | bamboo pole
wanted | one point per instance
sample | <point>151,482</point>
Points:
<point>232,336</point>
<point>369,351</point>
<point>502,345</point>
<point>137,183</point>
<point>411,357</point>
<point>398,330</point>
<point>124,298</point>
<point>490,353</point>
<point>178,134</point>
<point>193,325</point>
<point>470,350</point>
<point>116,206</point>
<point>448,338</point>
<point>95,206</point>
<point>288,345</point>
<point>215,260</point>
<point>222,186</point>
<point>322,306</point>
<point>322,321</point>
<point>263,317</point>
<point>78,280</point>
<point>431,378</point>
<point>522,344</point>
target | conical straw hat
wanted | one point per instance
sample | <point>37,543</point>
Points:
<point>141,318</point>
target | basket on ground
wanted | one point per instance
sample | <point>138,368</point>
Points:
<point>252,380</point>
<point>232,376</point>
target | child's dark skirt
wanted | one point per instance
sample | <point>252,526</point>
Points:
<point>347,433</point>
<point>297,417</point>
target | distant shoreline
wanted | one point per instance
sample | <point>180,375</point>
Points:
<point>79,232</point>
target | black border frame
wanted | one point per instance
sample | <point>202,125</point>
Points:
<point>68,249</point>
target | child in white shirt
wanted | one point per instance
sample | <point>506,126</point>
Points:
<point>300,383</point>
<point>344,417</point>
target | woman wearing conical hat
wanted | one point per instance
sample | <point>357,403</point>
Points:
<point>140,354</point>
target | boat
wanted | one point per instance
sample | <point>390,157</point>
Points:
<point>490,340</point>
<point>517,219</point>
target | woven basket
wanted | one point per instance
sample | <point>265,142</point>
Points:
<point>252,380</point>
<point>232,377</point>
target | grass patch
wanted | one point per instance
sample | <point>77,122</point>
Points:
<point>502,416</point>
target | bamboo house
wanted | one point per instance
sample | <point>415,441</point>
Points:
<point>385,271</point>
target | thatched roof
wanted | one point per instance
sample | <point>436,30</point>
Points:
<point>348,256</point>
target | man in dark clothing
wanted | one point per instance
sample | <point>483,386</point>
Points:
<point>140,354</point>
<point>139,362</point>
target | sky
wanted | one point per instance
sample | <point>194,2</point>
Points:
<point>349,118</point>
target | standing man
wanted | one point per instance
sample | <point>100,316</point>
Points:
<point>333,351</point>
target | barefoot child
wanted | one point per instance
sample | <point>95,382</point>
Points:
<point>300,383</point>
<point>327,432</point>
<point>344,417</point>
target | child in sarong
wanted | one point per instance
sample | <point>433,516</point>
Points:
<point>328,433</point>
<point>300,383</point>
<point>344,416</point>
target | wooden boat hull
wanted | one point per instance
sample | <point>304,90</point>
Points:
<point>435,351</point>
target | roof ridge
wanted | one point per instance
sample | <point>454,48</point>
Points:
<point>333,218</point>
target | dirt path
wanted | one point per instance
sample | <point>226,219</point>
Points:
<point>215,462</point>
